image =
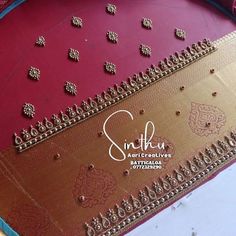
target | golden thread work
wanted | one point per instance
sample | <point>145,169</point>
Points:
<point>88,108</point>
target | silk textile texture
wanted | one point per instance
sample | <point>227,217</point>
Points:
<point>85,192</point>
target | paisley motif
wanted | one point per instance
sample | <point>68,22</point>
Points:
<point>29,220</point>
<point>95,185</point>
<point>205,120</point>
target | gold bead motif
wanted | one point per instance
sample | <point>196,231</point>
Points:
<point>29,110</point>
<point>76,21</point>
<point>73,54</point>
<point>110,68</point>
<point>70,88</point>
<point>177,113</point>
<point>181,88</point>
<point>111,9</point>
<point>91,167</point>
<point>112,37</point>
<point>180,34</point>
<point>147,23</point>
<point>214,94</point>
<point>145,50</point>
<point>126,172</point>
<point>57,156</point>
<point>41,42</point>
<point>212,71</point>
<point>82,198</point>
<point>141,112</point>
<point>34,73</point>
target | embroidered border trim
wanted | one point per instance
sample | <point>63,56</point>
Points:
<point>76,114</point>
<point>227,37</point>
<point>164,190</point>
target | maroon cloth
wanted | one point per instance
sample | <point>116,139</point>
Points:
<point>229,4</point>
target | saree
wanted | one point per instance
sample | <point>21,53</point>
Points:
<point>100,183</point>
<point>132,131</point>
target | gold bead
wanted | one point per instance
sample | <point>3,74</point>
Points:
<point>141,112</point>
<point>212,71</point>
<point>181,88</point>
<point>126,172</point>
<point>214,94</point>
<point>57,156</point>
<point>81,198</point>
<point>177,113</point>
<point>91,167</point>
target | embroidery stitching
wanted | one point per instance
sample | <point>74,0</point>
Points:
<point>113,95</point>
<point>205,120</point>
<point>165,189</point>
<point>93,186</point>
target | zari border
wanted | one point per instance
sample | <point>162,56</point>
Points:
<point>76,114</point>
<point>165,190</point>
<point>227,37</point>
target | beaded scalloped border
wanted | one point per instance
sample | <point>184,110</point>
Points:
<point>164,190</point>
<point>227,37</point>
<point>76,114</point>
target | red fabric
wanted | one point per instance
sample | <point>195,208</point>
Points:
<point>21,27</point>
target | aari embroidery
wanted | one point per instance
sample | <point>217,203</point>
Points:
<point>93,186</point>
<point>163,190</point>
<point>113,95</point>
<point>205,120</point>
